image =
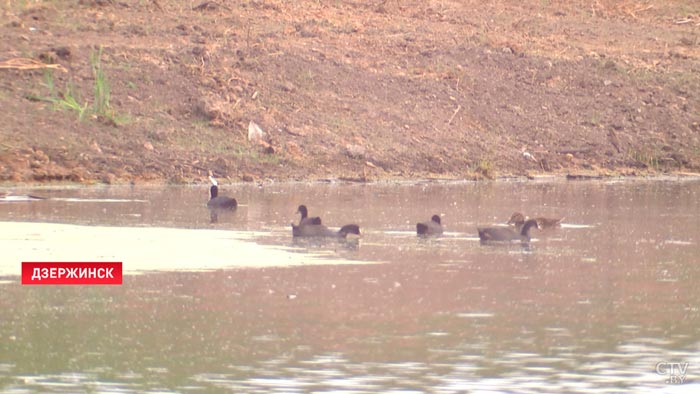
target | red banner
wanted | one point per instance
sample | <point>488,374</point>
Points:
<point>71,273</point>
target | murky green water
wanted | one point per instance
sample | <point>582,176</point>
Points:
<point>238,306</point>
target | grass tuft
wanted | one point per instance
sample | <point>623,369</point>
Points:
<point>101,104</point>
<point>484,168</point>
<point>644,158</point>
<point>70,100</point>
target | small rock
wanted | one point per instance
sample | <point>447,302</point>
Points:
<point>148,146</point>
<point>40,156</point>
<point>199,51</point>
<point>62,52</point>
<point>293,149</point>
<point>109,178</point>
<point>266,147</point>
<point>287,87</point>
<point>355,151</point>
<point>545,165</point>
<point>96,148</point>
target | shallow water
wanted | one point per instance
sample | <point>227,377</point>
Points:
<point>240,306</point>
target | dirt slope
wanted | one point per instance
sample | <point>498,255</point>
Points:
<point>348,89</point>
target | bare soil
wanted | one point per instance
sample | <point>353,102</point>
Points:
<point>348,89</point>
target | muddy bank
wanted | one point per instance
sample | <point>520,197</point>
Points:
<point>349,90</point>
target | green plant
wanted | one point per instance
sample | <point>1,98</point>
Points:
<point>484,168</point>
<point>595,119</point>
<point>644,158</point>
<point>69,99</point>
<point>49,82</point>
<point>70,102</point>
<point>101,89</point>
<point>253,154</point>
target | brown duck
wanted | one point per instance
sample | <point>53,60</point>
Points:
<point>518,219</point>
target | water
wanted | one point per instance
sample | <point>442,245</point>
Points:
<point>239,306</point>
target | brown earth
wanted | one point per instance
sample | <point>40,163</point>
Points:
<point>348,89</point>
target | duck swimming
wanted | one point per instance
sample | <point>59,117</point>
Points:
<point>305,219</point>
<point>219,202</point>
<point>505,234</point>
<point>312,227</point>
<point>433,227</point>
<point>518,219</point>
<point>319,230</point>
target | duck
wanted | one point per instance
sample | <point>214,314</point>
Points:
<point>319,230</point>
<point>518,219</point>
<point>545,223</point>
<point>312,227</point>
<point>432,227</point>
<point>219,202</point>
<point>505,234</point>
<point>305,219</point>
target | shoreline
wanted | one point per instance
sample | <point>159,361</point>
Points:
<point>307,91</point>
<point>566,177</point>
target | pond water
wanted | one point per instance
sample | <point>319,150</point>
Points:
<point>609,302</point>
